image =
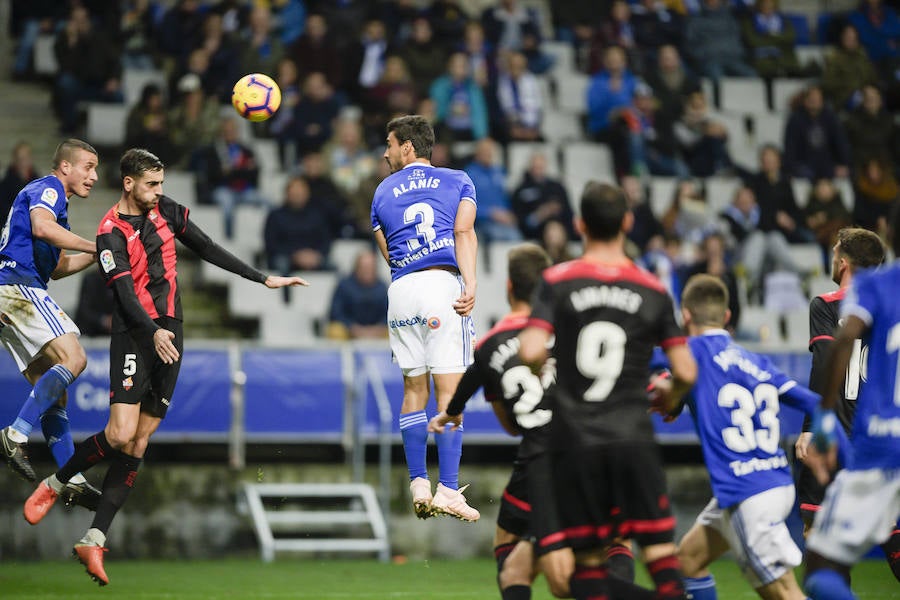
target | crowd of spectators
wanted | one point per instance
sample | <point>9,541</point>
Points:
<point>480,71</point>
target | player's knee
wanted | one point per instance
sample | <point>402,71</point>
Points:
<point>139,447</point>
<point>120,436</point>
<point>691,565</point>
<point>76,360</point>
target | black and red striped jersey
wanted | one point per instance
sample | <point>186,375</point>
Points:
<point>606,320</point>
<point>143,246</point>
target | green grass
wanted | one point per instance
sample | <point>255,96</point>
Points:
<point>321,579</point>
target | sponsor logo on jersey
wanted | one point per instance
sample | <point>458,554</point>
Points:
<point>49,196</point>
<point>152,215</point>
<point>107,262</point>
<point>165,401</point>
<point>8,263</point>
<point>433,322</point>
<point>397,323</point>
<point>134,235</point>
<point>127,383</point>
<point>4,320</point>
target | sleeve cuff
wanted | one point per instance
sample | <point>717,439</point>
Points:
<point>540,324</point>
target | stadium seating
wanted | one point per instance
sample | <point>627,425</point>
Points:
<point>518,156</point>
<point>742,95</point>
<point>249,222</point>
<point>820,284</point>
<point>106,124</point>
<point>784,90</point>
<point>796,325</point>
<point>134,80</point>
<point>801,188</point>
<point>343,254</point>
<point>571,92</point>
<point>559,127</point>
<point>249,299</point>
<point>720,192</point>
<point>808,256</point>
<point>181,186</point>
<point>44,59</point>
<point>65,292</point>
<point>563,54</point>
<point>582,162</point>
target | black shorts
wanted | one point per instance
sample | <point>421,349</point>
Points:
<point>136,373</point>
<point>608,492</point>
<point>515,509</point>
<point>544,516</point>
<point>810,492</point>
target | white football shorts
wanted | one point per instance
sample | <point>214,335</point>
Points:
<point>29,318</point>
<point>426,334</point>
<point>859,511</point>
<point>757,534</point>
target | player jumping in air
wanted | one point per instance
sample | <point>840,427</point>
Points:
<point>862,504</point>
<point>605,470</point>
<point>424,217</point>
<point>41,337</point>
<point>136,250</point>
<point>856,249</point>
<point>735,407</point>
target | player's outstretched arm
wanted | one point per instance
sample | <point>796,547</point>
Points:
<point>69,264</point>
<point>196,239</point>
<point>45,227</point>
<point>275,281</point>
<point>466,244</point>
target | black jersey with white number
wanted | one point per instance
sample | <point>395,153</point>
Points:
<point>606,320</point>
<point>506,379</point>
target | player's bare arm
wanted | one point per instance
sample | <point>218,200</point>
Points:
<point>69,264</point>
<point>45,227</point>
<point>466,254</point>
<point>382,245</point>
<point>533,347</point>
<point>505,419</point>
<point>273,282</point>
<point>684,369</point>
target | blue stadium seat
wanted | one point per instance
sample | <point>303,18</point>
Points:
<point>801,28</point>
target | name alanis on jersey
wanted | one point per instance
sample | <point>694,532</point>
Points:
<point>417,184</point>
<point>732,357</point>
<point>503,353</point>
<point>745,467</point>
<point>879,427</point>
<point>446,242</point>
<point>606,295</point>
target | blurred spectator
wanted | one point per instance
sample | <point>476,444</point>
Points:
<point>359,304</point>
<point>289,18</point>
<point>647,232</point>
<point>137,35</point>
<point>778,210</point>
<point>19,172</point>
<point>349,160</point>
<point>227,174</point>
<point>281,125</point>
<point>147,125</point>
<point>609,91</point>
<point>671,82</point>
<point>235,14</point>
<point>702,138</point>
<point>448,20</point>
<point>359,205</point>
<point>771,39</point>
<point>847,70</point>
<point>815,145</point>
<point>398,16</point>
<point>89,68</point>
<point>194,121</point>
<point>297,234</point>
<point>459,102</point>
<point>316,52</point>
<point>759,251</point>
<point>712,260</point>
<point>345,18</point>
<point>95,305</point>
<point>871,131</point>
<point>511,26</point>
<point>879,31</point>
<point>876,194</point>
<point>366,60</point>
<point>555,240</point>
<point>616,30</point>
<point>519,96</point>
<point>540,199</point>
<point>326,196</point>
<point>652,147</point>
<point>574,21</point>
<point>481,56</point>
<point>712,42</point>
<point>394,93</point>
<point>655,26</point>
<point>261,50</point>
<point>36,17</point>
<point>181,26</point>
<point>688,216</point>
<point>424,57</point>
<point>314,114</point>
<point>224,55</point>
<point>826,213</point>
<point>496,220</point>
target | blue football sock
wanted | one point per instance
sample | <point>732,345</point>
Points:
<point>55,424</point>
<point>826,584</point>
<point>45,393</point>
<point>414,430</point>
<point>700,588</point>
<point>449,446</point>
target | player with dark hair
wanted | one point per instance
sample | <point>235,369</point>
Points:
<point>136,250</point>
<point>606,315</point>
<point>423,218</point>
<point>856,249</point>
<point>735,407</point>
<point>862,504</point>
<point>38,334</point>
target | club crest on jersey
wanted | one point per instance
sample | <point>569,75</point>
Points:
<point>5,320</point>
<point>107,262</point>
<point>152,215</point>
<point>433,322</point>
<point>49,196</point>
<point>127,383</point>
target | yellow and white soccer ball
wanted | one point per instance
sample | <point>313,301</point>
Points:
<point>256,97</point>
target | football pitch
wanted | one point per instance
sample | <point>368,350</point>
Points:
<point>322,579</point>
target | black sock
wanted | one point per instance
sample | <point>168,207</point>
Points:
<point>516,592</point>
<point>892,552</point>
<point>620,562</point>
<point>666,574</point>
<point>87,454</point>
<point>116,487</point>
<point>589,583</point>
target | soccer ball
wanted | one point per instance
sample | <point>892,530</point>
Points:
<point>256,97</point>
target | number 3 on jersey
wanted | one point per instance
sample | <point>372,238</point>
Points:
<point>422,214</point>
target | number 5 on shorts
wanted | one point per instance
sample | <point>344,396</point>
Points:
<point>130,366</point>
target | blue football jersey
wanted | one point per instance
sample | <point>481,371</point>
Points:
<point>735,407</point>
<point>415,208</point>
<point>872,297</point>
<point>25,259</point>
